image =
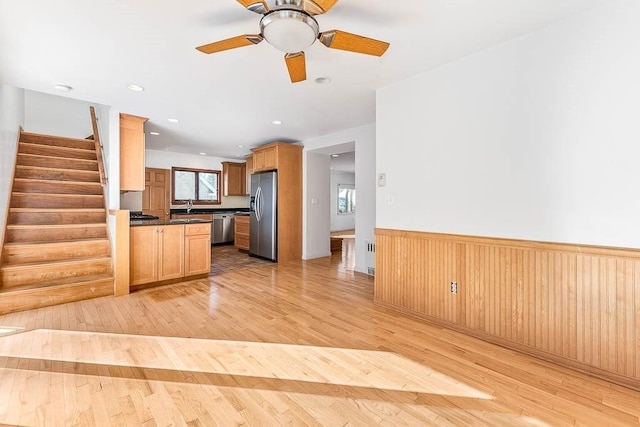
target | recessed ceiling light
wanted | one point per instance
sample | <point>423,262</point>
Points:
<point>174,120</point>
<point>63,88</point>
<point>276,122</point>
<point>323,80</point>
<point>335,155</point>
<point>240,146</point>
<point>154,133</point>
<point>203,154</point>
<point>135,88</point>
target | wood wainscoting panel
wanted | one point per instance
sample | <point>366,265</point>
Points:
<point>573,304</point>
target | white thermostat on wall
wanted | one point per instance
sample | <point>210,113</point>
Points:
<point>382,179</point>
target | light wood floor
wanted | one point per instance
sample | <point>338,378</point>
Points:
<point>295,344</point>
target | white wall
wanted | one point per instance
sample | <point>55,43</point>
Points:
<point>11,118</point>
<point>316,206</point>
<point>346,221</point>
<point>536,139</point>
<point>365,143</point>
<point>57,115</point>
<point>166,160</point>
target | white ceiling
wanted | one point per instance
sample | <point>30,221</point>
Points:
<point>230,98</point>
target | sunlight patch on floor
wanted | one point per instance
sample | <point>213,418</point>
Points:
<point>301,363</point>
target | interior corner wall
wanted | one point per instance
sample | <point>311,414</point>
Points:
<point>344,221</point>
<point>11,118</point>
<point>365,147</point>
<point>316,198</point>
<point>534,139</point>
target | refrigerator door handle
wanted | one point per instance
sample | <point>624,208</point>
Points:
<point>261,204</point>
<point>258,203</point>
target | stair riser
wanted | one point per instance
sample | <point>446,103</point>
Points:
<point>45,150</point>
<point>48,273</point>
<point>47,162</point>
<point>57,175</point>
<point>54,235</point>
<point>84,144</point>
<point>58,252</point>
<point>35,200</point>
<point>44,297</point>
<point>52,218</point>
<point>29,186</point>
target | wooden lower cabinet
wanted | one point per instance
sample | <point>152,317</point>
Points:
<point>167,252</point>
<point>143,255</point>
<point>197,249</point>
<point>242,227</point>
<point>170,250</point>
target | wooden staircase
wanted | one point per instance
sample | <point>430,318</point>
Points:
<point>56,245</point>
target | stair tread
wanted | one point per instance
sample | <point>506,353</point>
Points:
<point>57,226</point>
<point>56,210</point>
<point>56,157</point>
<point>49,181</point>
<point>42,168</point>
<point>42,135</point>
<point>57,147</point>
<point>56,243</point>
<point>54,283</point>
<point>69,261</point>
<point>20,193</point>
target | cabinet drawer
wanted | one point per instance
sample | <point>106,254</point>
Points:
<point>242,228</point>
<point>196,229</point>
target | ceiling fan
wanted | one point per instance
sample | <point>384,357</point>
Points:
<point>291,28</point>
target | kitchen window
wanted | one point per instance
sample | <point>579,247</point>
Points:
<point>201,186</point>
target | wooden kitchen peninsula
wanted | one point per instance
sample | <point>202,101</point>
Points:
<point>169,250</point>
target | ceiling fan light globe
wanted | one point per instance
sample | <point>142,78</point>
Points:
<point>289,31</point>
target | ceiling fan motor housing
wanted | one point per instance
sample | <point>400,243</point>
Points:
<point>289,28</point>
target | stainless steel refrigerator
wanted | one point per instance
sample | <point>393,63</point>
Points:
<point>263,235</point>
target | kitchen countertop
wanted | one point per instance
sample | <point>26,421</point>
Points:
<point>156,222</point>
<point>210,211</point>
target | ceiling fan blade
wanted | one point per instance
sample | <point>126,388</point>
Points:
<point>318,7</point>
<point>336,39</point>
<point>232,43</point>
<point>257,6</point>
<point>297,66</point>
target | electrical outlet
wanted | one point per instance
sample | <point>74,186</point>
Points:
<point>454,287</point>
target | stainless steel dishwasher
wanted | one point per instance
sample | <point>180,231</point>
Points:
<point>222,230</point>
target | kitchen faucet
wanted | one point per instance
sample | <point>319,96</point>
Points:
<point>189,205</point>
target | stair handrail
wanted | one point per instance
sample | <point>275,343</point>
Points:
<point>99,151</point>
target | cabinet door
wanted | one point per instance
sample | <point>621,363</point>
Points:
<point>258,161</point>
<point>170,252</point>
<point>197,254</point>
<point>242,225</point>
<point>248,171</point>
<point>234,178</point>
<point>271,158</point>
<point>132,152</point>
<point>143,255</point>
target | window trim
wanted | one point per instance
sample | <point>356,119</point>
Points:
<point>174,201</point>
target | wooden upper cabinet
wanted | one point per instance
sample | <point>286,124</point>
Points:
<point>265,158</point>
<point>249,171</point>
<point>234,179</point>
<point>132,153</point>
